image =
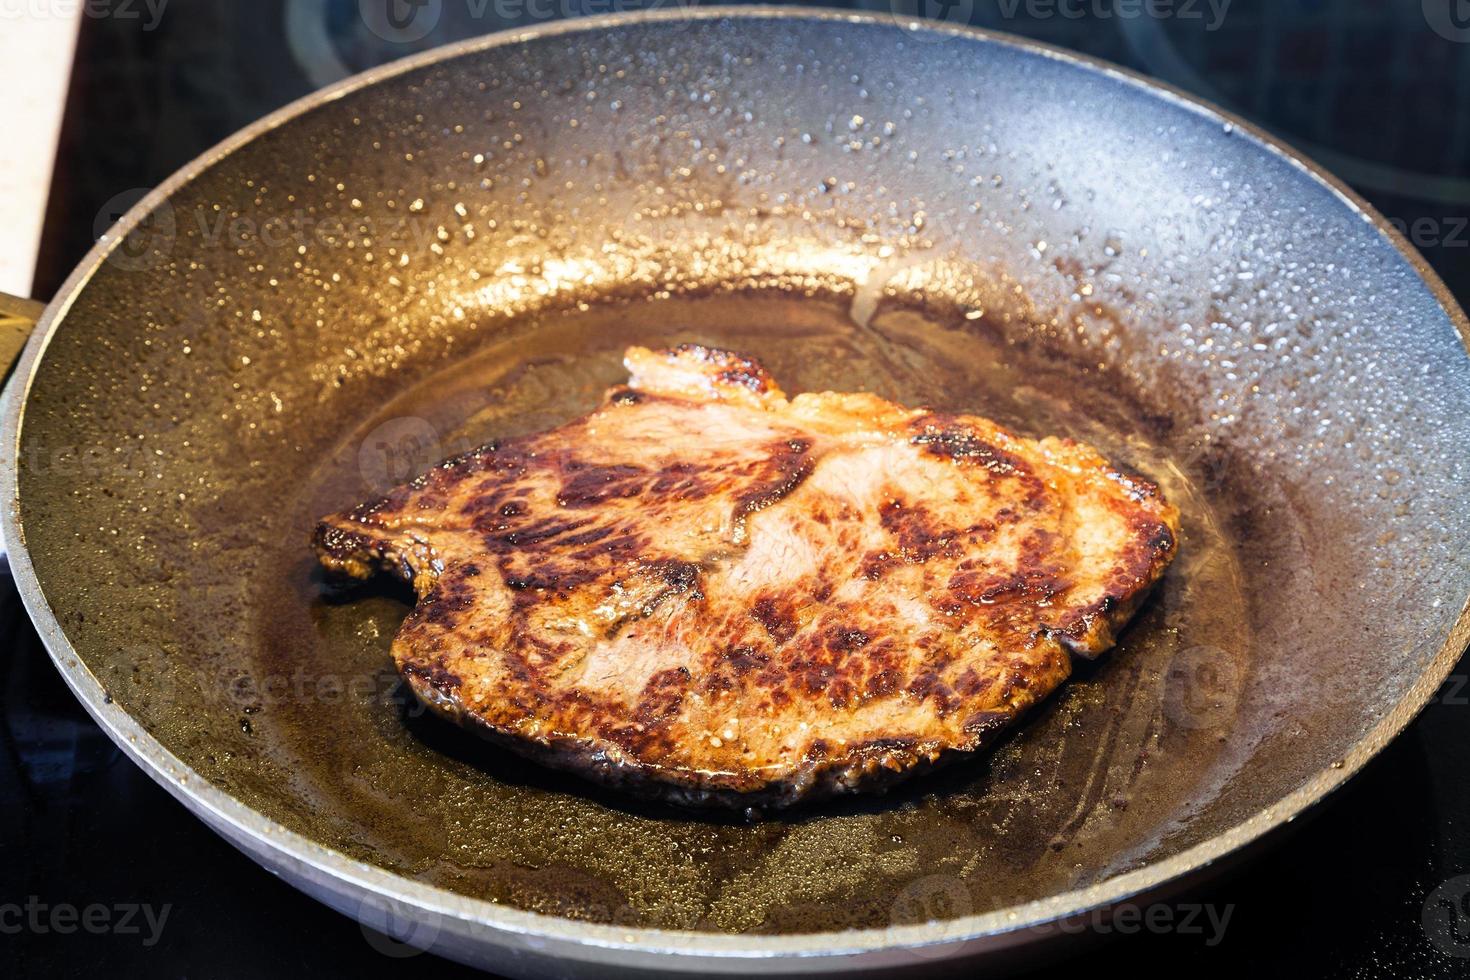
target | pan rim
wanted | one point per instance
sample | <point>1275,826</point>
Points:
<point>650,947</point>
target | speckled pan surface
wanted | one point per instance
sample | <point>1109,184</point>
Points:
<point>397,270</point>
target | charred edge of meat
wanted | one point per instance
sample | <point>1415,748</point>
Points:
<point>872,766</point>
<point>357,554</point>
<point>625,396</point>
<point>735,369</point>
<point>1092,631</point>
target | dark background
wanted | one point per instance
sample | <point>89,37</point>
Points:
<point>1378,90</point>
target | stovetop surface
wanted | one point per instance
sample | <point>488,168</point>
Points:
<point>1375,884</point>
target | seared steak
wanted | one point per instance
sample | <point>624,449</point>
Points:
<point>708,593</point>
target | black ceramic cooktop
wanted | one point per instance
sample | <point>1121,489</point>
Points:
<point>101,872</point>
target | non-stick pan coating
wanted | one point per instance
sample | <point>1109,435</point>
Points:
<point>460,251</point>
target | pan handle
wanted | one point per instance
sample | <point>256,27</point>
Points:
<point>17,319</point>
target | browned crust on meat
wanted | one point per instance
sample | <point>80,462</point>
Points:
<point>709,594</point>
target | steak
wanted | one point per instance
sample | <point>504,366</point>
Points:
<point>709,593</point>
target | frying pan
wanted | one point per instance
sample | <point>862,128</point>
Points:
<point>459,245</point>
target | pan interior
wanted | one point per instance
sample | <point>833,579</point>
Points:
<point>463,251</point>
<point>1091,779</point>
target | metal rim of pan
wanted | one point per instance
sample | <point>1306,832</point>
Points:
<point>663,948</point>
